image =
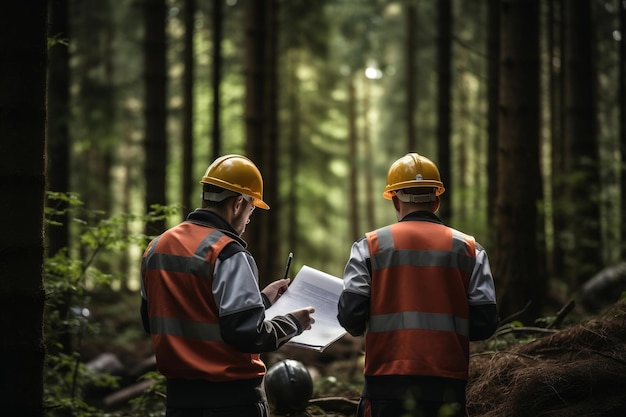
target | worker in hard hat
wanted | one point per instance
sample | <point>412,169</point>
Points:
<point>419,291</point>
<point>202,305</point>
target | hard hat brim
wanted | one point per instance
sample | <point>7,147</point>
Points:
<point>257,202</point>
<point>388,193</point>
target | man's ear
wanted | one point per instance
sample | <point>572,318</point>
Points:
<point>396,203</point>
<point>238,202</point>
<point>436,204</point>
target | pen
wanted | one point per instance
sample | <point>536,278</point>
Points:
<point>289,259</point>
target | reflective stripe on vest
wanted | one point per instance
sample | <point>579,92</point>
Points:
<point>177,276</point>
<point>415,320</point>
<point>419,315</point>
<point>185,328</point>
<point>196,264</point>
<point>388,255</point>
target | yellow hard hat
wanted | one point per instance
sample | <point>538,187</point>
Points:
<point>413,170</point>
<point>239,174</point>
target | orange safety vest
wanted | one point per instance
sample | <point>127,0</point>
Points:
<point>177,274</point>
<point>419,313</point>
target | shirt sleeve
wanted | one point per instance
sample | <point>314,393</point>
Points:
<point>481,288</point>
<point>483,314</point>
<point>242,310</point>
<point>354,301</point>
<point>235,284</point>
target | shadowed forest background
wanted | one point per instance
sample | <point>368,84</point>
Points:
<point>110,112</point>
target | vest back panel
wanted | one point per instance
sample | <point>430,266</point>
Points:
<point>419,313</point>
<point>177,273</point>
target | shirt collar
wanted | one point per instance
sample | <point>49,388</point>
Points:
<point>422,215</point>
<point>211,219</point>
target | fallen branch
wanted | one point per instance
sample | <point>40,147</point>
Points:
<point>560,316</point>
<point>337,404</point>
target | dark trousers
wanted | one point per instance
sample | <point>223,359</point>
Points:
<point>201,398</point>
<point>412,395</point>
<point>260,409</point>
<point>399,408</point>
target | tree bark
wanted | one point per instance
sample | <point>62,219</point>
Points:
<point>493,51</point>
<point>217,78</point>
<point>188,183</point>
<point>519,179</point>
<point>353,149</point>
<point>293,150</point>
<point>368,156</point>
<point>58,121</point>
<point>22,186</point>
<point>444,87</point>
<point>555,54</point>
<point>155,113</point>
<point>261,118</point>
<point>410,75</point>
<point>583,255</point>
<point>622,123</point>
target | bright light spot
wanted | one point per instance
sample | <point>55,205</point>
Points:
<point>373,73</point>
<point>339,168</point>
<point>617,35</point>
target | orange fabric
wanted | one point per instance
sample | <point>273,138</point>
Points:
<point>188,297</point>
<point>422,287</point>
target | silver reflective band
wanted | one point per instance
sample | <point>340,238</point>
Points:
<point>417,320</point>
<point>223,195</point>
<point>185,328</point>
<point>415,198</point>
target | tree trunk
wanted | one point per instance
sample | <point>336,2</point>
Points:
<point>622,121</point>
<point>368,155</point>
<point>188,183</point>
<point>254,16</point>
<point>261,116</point>
<point>555,54</point>
<point>274,262</point>
<point>519,179</point>
<point>93,93</point>
<point>155,80</point>
<point>444,85</point>
<point>353,149</point>
<point>217,77</point>
<point>58,122</point>
<point>410,75</point>
<point>293,151</point>
<point>493,51</point>
<point>583,256</point>
<point>22,185</point>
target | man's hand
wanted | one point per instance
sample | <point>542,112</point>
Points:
<point>304,317</point>
<point>275,289</point>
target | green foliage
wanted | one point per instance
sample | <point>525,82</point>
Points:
<point>67,276</point>
<point>57,40</point>
<point>152,402</point>
<point>330,385</point>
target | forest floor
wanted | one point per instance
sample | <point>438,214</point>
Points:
<point>579,370</point>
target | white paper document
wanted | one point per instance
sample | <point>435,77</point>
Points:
<point>320,290</point>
